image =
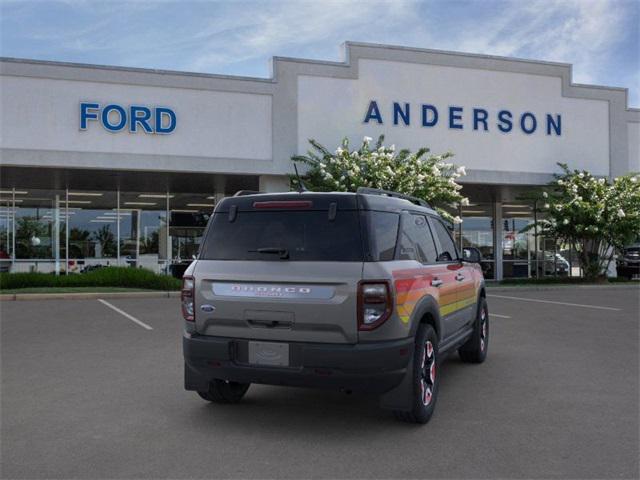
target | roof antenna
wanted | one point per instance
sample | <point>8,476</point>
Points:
<point>301,186</point>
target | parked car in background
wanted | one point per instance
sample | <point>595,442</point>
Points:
<point>628,263</point>
<point>553,264</point>
<point>353,291</point>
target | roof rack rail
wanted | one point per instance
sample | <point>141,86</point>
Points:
<point>388,193</point>
<point>242,193</point>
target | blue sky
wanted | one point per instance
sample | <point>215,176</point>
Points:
<point>600,38</point>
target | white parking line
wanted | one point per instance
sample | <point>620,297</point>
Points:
<point>125,314</point>
<point>556,303</point>
<point>499,316</point>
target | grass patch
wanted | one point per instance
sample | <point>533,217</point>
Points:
<point>117,277</point>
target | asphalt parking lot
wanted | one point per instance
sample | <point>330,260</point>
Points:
<point>89,393</point>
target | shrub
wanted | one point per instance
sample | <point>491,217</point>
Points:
<point>429,177</point>
<point>102,277</point>
<point>593,215</point>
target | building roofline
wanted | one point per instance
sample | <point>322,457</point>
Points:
<point>346,62</point>
<point>55,63</point>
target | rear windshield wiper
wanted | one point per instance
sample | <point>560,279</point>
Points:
<point>283,252</point>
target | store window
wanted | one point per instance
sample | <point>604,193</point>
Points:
<point>189,214</point>
<point>6,229</point>
<point>143,229</point>
<point>38,226</point>
<point>92,230</point>
<point>518,240</point>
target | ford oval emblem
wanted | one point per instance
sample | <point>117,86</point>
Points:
<point>207,308</point>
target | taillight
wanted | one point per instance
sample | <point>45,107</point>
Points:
<point>374,304</point>
<point>187,298</point>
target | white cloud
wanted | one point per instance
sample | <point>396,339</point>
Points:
<point>581,32</point>
<point>218,37</point>
<point>277,26</point>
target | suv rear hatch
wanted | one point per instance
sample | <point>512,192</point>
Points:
<point>281,267</point>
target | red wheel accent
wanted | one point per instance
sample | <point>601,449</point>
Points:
<point>428,373</point>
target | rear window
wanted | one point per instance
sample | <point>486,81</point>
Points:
<point>284,235</point>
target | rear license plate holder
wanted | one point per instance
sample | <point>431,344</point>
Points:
<point>269,354</point>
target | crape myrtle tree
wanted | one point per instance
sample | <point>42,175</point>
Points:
<point>420,174</point>
<point>595,216</point>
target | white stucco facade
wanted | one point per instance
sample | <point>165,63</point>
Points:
<point>328,107</point>
<point>106,165</point>
<point>253,126</point>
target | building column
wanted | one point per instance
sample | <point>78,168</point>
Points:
<point>55,244</point>
<point>274,183</point>
<point>497,238</point>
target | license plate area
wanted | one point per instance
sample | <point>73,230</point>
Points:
<point>269,353</point>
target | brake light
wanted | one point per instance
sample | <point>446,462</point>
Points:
<point>374,304</point>
<point>187,298</point>
<point>284,204</point>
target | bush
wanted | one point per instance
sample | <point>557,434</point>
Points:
<point>102,277</point>
<point>420,174</point>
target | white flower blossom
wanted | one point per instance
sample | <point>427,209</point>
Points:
<point>621,213</point>
<point>457,220</point>
<point>546,205</point>
<point>545,195</point>
<point>367,139</point>
<point>560,182</point>
<point>565,221</point>
<point>339,151</point>
<point>392,148</point>
<point>460,170</point>
<point>464,202</point>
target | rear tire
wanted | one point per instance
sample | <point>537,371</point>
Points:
<point>221,391</point>
<point>475,350</point>
<point>425,380</point>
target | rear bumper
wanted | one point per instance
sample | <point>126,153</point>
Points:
<point>368,367</point>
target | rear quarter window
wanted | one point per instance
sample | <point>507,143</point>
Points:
<point>382,235</point>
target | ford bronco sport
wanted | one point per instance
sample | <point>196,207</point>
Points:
<point>357,291</point>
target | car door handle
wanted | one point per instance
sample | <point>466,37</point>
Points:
<point>436,282</point>
<point>459,277</point>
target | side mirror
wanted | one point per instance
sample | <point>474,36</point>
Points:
<point>471,255</point>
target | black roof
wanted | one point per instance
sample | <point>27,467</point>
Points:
<point>322,200</point>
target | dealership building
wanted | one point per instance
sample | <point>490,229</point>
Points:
<point>105,165</point>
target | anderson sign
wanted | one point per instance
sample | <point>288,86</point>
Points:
<point>460,118</point>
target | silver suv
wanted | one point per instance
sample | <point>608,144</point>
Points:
<point>354,291</point>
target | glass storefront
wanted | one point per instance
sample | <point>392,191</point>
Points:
<point>69,231</point>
